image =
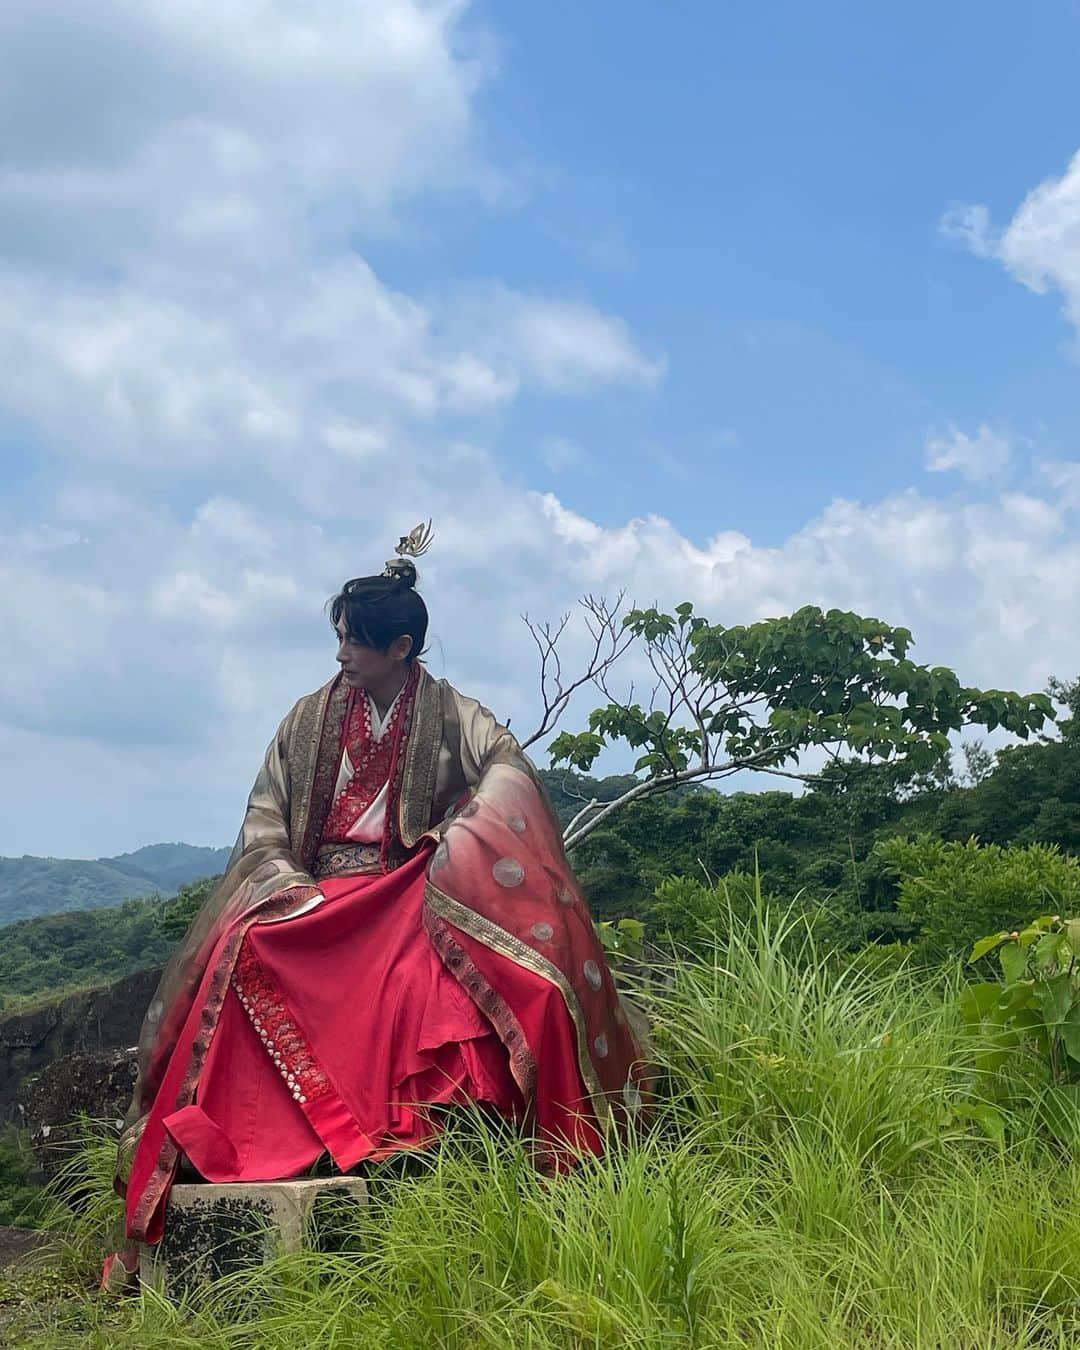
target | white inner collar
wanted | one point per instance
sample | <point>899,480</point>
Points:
<point>379,724</point>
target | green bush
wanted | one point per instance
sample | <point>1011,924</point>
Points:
<point>956,892</point>
<point>689,913</point>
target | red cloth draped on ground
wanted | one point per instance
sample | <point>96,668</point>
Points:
<point>369,1024</point>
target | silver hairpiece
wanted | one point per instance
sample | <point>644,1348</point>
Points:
<point>412,545</point>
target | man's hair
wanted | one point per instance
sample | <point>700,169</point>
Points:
<point>379,609</point>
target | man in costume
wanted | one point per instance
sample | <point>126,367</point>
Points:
<point>397,930</point>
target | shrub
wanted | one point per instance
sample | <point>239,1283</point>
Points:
<point>956,892</point>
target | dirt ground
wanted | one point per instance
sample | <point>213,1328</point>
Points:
<point>16,1243</point>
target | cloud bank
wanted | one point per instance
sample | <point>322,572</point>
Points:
<point>222,410</point>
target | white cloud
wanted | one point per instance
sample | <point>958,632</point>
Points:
<point>227,113</point>
<point>1063,476</point>
<point>985,455</point>
<point>570,347</point>
<point>241,413</point>
<point>970,226</point>
<point>178,641</point>
<point>565,346</point>
<point>1041,244</point>
<point>181,193</point>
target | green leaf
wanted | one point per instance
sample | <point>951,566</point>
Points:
<point>1054,998</point>
<point>987,944</point>
<point>609,938</point>
<point>993,1053</point>
<point>976,1001</point>
<point>580,750</point>
<point>1048,952</point>
<point>1013,961</point>
<point>1027,1021</point>
<point>1013,998</point>
<point>987,1117</point>
<point>1070,1032</point>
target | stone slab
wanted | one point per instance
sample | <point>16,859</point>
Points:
<point>214,1230</point>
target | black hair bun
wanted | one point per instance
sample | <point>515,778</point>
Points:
<point>403,572</point>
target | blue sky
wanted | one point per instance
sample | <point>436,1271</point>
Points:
<point>760,306</point>
<point>760,192</point>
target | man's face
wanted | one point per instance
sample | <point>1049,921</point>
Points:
<point>366,667</point>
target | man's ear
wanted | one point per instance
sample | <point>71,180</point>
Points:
<point>402,646</point>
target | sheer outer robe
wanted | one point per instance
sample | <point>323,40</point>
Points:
<point>451,745</point>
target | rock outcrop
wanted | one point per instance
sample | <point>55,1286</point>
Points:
<point>71,1058</point>
<point>89,1024</point>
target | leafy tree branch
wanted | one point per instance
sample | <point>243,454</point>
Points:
<point>758,696</point>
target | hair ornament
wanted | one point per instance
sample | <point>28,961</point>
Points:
<point>412,545</point>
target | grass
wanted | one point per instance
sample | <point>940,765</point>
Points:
<point>815,1178</point>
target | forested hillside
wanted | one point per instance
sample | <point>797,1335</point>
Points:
<point>838,847</point>
<point>31,887</point>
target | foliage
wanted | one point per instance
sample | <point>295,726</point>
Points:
<point>794,842</point>
<point>955,892</point>
<point>622,939</point>
<point>761,695</point>
<point>63,952</point>
<point>690,912</point>
<point>569,791</point>
<point>30,887</point>
<point>176,915</point>
<point>820,844</point>
<point>22,1202</point>
<point>818,1178</point>
<point>170,866</point>
<point>1037,1009</point>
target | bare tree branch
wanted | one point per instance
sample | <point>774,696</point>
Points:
<point>589,806</point>
<point>609,641</point>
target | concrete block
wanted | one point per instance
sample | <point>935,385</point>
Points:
<point>213,1230</point>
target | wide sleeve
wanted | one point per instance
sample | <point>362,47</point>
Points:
<point>263,854</point>
<point>485,741</point>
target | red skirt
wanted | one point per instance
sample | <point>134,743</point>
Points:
<point>342,1026</point>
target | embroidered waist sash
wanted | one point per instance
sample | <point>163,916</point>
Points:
<point>339,860</point>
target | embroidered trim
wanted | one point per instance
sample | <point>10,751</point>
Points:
<point>165,1166</point>
<point>419,770</point>
<point>499,940</point>
<point>494,1008</point>
<point>325,745</point>
<point>395,777</point>
<point>285,1043</point>
<point>301,756</point>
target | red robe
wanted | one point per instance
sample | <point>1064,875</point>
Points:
<point>469,972</point>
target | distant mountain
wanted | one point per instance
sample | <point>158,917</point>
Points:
<point>170,866</point>
<point>30,887</point>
